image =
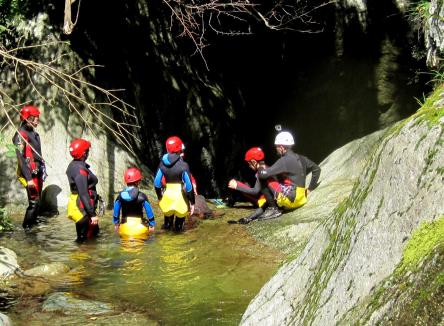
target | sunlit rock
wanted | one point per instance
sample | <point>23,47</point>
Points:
<point>8,262</point>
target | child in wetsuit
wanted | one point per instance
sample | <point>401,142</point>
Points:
<point>131,202</point>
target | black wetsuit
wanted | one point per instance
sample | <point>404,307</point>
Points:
<point>291,170</point>
<point>83,182</point>
<point>174,169</point>
<point>131,202</point>
<point>31,167</point>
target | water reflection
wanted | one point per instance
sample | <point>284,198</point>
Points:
<point>206,275</point>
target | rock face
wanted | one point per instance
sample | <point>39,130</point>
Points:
<point>360,244</point>
<point>434,31</point>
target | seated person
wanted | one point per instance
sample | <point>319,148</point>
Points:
<point>290,170</point>
<point>255,159</point>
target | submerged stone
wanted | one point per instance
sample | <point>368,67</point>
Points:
<point>69,305</point>
<point>48,270</point>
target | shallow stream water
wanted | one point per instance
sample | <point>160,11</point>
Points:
<point>204,276</point>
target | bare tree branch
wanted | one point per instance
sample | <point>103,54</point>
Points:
<point>73,90</point>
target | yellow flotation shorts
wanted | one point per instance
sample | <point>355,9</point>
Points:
<point>133,228</point>
<point>173,202</point>
<point>299,200</point>
<point>74,212</point>
<point>21,178</point>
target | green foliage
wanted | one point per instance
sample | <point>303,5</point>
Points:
<point>418,13</point>
<point>423,241</point>
<point>5,221</point>
<point>10,9</point>
<point>10,148</point>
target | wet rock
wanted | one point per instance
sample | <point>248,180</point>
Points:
<point>48,270</point>
<point>8,262</point>
<point>28,287</point>
<point>69,305</point>
<point>4,320</point>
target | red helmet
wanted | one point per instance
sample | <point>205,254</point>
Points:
<point>132,175</point>
<point>79,147</point>
<point>174,145</point>
<point>28,111</point>
<point>254,153</point>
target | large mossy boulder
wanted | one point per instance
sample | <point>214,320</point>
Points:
<point>346,271</point>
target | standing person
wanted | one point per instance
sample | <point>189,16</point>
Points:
<point>176,197</point>
<point>255,159</point>
<point>31,170</point>
<point>291,170</point>
<point>83,199</point>
<point>131,201</point>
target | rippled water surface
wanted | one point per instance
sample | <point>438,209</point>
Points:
<point>205,276</point>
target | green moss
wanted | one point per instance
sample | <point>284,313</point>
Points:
<point>422,243</point>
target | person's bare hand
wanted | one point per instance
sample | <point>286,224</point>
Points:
<point>232,184</point>
<point>94,220</point>
<point>31,184</point>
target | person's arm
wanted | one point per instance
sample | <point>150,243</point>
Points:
<point>149,213</point>
<point>116,212</point>
<point>315,172</point>
<point>188,186</point>
<point>81,181</point>
<point>20,148</point>
<point>158,183</point>
<point>248,190</point>
<point>277,168</point>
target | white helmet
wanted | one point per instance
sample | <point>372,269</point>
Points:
<point>284,138</point>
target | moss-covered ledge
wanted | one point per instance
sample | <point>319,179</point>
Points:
<point>414,293</point>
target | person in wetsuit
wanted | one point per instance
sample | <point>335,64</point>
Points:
<point>291,170</point>
<point>176,197</point>
<point>31,170</point>
<point>83,199</point>
<point>131,202</point>
<point>255,159</point>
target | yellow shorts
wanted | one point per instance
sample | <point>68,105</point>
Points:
<point>299,200</point>
<point>74,212</point>
<point>173,202</point>
<point>133,228</point>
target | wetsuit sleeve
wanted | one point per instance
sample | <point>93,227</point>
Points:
<point>248,190</point>
<point>315,170</point>
<point>277,168</point>
<point>188,186</point>
<point>149,212</point>
<point>20,144</point>
<point>158,183</point>
<point>81,180</point>
<point>116,213</point>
